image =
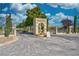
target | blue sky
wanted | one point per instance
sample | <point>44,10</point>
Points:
<point>55,12</point>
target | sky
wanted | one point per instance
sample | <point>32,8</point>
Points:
<point>55,12</point>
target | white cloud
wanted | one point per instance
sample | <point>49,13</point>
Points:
<point>58,18</point>
<point>21,11</point>
<point>5,9</point>
<point>2,15</point>
<point>18,18</point>
<point>29,6</point>
<point>48,14</point>
<point>69,5</point>
<point>22,7</point>
<point>2,19</point>
<point>53,5</point>
<point>65,5</point>
<point>17,7</point>
<point>15,18</point>
<point>60,14</point>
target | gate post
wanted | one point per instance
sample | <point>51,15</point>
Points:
<point>14,31</point>
<point>56,30</point>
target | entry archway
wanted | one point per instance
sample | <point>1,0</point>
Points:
<point>40,26</point>
<point>41,29</point>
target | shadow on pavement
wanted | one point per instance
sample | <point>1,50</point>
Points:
<point>29,33</point>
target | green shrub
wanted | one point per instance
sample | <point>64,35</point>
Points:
<point>75,24</point>
<point>8,26</point>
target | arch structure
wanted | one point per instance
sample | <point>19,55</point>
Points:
<point>40,26</point>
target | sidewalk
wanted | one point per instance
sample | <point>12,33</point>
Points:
<point>6,40</point>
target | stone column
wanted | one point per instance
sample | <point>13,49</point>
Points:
<point>70,29</point>
<point>15,32</point>
<point>14,29</point>
<point>56,30</point>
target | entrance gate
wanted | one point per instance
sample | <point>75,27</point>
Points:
<point>40,26</point>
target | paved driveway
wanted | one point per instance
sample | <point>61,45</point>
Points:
<point>28,45</point>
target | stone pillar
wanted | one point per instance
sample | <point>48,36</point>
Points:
<point>56,30</point>
<point>14,29</point>
<point>3,30</point>
<point>70,29</point>
<point>15,32</point>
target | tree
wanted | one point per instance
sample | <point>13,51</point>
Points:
<point>31,15</point>
<point>75,24</point>
<point>0,27</point>
<point>34,13</point>
<point>47,24</point>
<point>8,26</point>
<point>67,23</point>
<point>77,16</point>
<point>21,24</point>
